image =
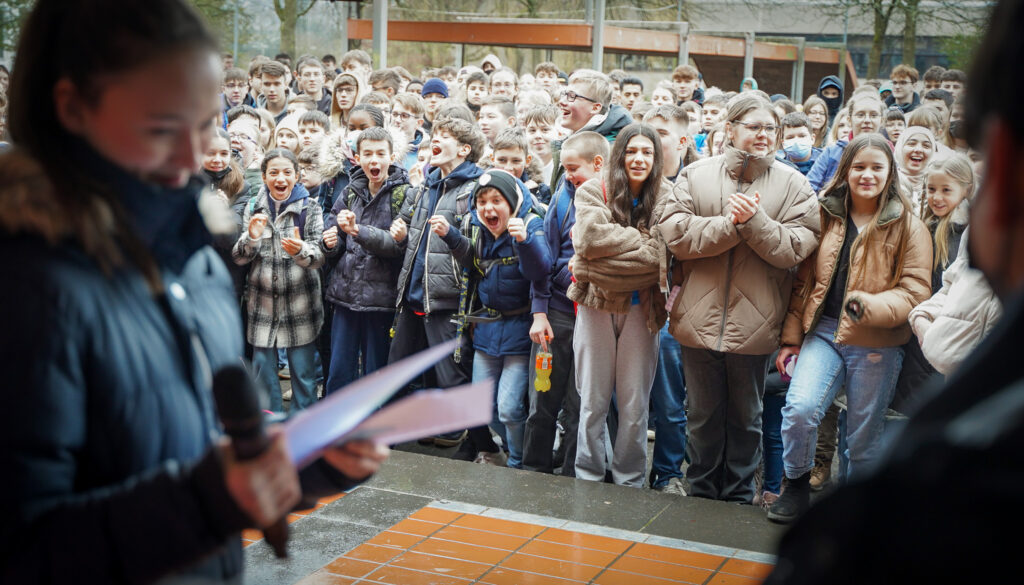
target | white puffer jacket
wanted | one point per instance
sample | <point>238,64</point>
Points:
<point>955,320</point>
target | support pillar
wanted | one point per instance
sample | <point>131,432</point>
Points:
<point>748,55</point>
<point>597,36</point>
<point>380,33</point>
<point>684,43</point>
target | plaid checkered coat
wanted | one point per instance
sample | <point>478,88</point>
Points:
<point>284,303</point>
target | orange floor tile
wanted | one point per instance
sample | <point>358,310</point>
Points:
<point>250,536</point>
<point>440,547</point>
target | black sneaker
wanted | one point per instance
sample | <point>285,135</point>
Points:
<point>793,502</point>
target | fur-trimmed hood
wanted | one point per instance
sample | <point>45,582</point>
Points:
<point>335,151</point>
<point>28,205</point>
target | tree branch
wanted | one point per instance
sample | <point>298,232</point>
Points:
<point>307,9</point>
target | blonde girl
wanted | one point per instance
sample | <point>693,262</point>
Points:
<point>948,185</point>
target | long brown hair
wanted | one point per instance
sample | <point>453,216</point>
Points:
<point>821,134</point>
<point>840,187</point>
<point>85,42</point>
<point>620,199</point>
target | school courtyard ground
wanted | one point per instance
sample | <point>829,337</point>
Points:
<point>428,519</point>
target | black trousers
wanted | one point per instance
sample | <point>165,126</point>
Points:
<point>539,434</point>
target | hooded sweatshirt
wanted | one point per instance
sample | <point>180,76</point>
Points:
<point>833,104</point>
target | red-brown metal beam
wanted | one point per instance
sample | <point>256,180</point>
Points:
<point>578,37</point>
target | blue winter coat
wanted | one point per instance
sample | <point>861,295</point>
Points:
<point>108,472</point>
<point>504,287</point>
<point>558,222</point>
<point>826,165</point>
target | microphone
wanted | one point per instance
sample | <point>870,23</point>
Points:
<point>238,404</point>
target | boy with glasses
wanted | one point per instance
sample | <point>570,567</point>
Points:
<point>904,80</point>
<point>586,105</point>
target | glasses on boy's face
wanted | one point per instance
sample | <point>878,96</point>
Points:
<point>901,83</point>
<point>403,116</point>
<point>235,85</point>
<point>570,96</point>
<point>756,127</point>
<point>241,137</point>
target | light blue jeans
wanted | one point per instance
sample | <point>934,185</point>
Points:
<point>301,363</point>
<point>511,375</point>
<point>822,369</point>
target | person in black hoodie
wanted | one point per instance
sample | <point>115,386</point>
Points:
<point>116,311</point>
<point>363,284</point>
<point>830,90</point>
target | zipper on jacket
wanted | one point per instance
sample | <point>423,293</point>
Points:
<point>728,267</point>
<point>426,256</point>
<point>725,303</point>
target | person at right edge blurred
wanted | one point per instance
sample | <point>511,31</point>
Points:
<point>943,505</point>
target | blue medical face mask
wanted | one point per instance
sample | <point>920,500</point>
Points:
<point>797,148</point>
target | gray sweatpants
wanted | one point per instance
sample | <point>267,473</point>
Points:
<point>614,353</point>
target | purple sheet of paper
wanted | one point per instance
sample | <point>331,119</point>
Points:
<point>313,429</point>
<point>428,413</point>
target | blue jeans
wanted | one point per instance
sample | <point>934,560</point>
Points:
<point>511,375</point>
<point>823,368</point>
<point>301,363</point>
<point>354,333</point>
<point>771,440</point>
<point>668,397</point>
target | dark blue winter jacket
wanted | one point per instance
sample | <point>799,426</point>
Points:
<point>558,222</point>
<point>108,472</point>
<point>365,277</point>
<point>504,286</point>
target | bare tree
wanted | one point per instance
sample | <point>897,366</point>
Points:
<point>289,12</point>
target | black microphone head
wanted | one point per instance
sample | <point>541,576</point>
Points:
<point>234,391</point>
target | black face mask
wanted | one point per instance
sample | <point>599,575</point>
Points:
<point>833,105</point>
<point>957,130</point>
<point>217,176</point>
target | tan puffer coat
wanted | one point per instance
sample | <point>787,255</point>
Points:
<point>883,322</point>
<point>736,279</point>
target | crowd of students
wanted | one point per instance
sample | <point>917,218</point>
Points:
<point>762,282</point>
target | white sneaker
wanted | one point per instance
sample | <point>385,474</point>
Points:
<point>674,486</point>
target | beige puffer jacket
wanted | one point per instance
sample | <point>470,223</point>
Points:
<point>612,261</point>
<point>883,322</point>
<point>736,279</point>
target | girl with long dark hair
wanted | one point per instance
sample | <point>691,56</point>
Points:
<point>618,266</point>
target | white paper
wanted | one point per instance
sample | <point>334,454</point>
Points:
<point>314,428</point>
<point>428,413</point>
